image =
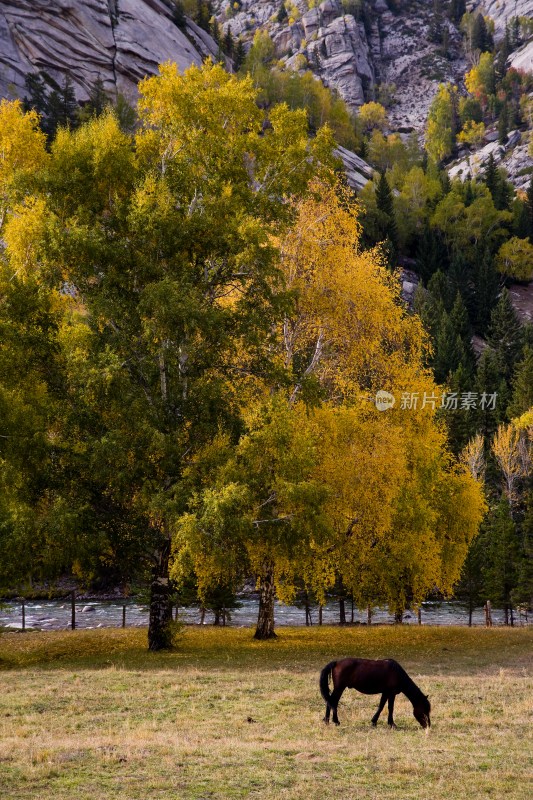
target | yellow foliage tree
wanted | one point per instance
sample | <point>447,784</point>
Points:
<point>22,152</point>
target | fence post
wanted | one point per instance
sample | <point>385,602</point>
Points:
<point>73,605</point>
<point>488,614</point>
<point>123,616</point>
<point>23,615</point>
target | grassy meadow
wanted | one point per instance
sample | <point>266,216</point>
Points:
<point>91,715</point>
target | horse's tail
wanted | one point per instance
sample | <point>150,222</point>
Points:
<point>324,681</point>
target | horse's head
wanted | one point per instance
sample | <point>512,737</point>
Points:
<point>422,711</point>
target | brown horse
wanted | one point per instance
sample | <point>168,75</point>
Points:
<point>385,677</point>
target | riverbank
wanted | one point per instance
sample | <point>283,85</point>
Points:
<point>92,714</point>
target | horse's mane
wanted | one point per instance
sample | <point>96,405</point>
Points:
<point>411,690</point>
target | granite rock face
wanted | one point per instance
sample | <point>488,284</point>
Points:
<point>353,56</point>
<point>513,155</point>
<point>502,11</point>
<point>119,41</point>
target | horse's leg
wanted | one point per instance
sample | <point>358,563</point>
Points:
<point>380,709</point>
<point>328,711</point>
<point>392,698</point>
<point>334,700</point>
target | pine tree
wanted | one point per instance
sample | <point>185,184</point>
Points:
<point>470,590</point>
<point>228,43</point>
<point>489,382</point>
<point>449,351</point>
<point>522,385</point>
<point>282,13</point>
<point>500,570</point>
<point>505,335</point>
<point>461,324</point>
<point>457,10</point>
<point>239,55</point>
<point>503,54</point>
<point>487,285</point>
<point>178,15</point>
<point>516,38</point>
<point>503,124</point>
<point>523,591</point>
<point>481,38</point>
<point>385,204</point>
<point>427,256</point>
<point>37,95</point>
<point>436,23</point>
<point>490,176</point>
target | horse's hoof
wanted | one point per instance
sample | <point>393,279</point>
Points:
<point>325,721</point>
<point>374,724</point>
<point>336,722</point>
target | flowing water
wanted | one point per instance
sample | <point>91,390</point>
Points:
<point>56,615</point>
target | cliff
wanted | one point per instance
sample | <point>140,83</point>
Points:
<point>119,41</point>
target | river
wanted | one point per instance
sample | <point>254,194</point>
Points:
<point>56,615</point>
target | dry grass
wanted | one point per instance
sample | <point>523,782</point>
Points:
<point>91,714</point>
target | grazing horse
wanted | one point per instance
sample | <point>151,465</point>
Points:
<point>385,677</point>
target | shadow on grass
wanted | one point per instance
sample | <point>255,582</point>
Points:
<point>451,650</point>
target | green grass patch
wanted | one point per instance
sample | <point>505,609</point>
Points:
<point>92,714</point>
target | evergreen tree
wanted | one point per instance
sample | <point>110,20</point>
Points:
<point>428,257</point>
<point>501,562</point>
<point>461,281</point>
<point>522,385</point>
<point>487,287</point>
<point>282,13</point>
<point>36,97</point>
<point>385,204</point>
<point>178,14</point>
<point>505,335</point>
<point>515,34</point>
<point>62,107</point>
<point>523,591</point>
<point>481,38</point>
<point>503,124</point>
<point>488,383</point>
<point>460,421</point>
<point>228,43</point>
<point>96,104</point>
<point>461,324</point>
<point>436,23</point>
<point>490,176</point>
<point>448,350</point>
<point>457,10</point>
<point>470,589</point>
<point>239,55</point>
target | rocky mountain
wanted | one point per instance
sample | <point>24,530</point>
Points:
<point>380,54</point>
<point>119,41</point>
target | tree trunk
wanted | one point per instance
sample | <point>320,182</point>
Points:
<point>308,620</point>
<point>159,633</point>
<point>342,611</point>
<point>320,614</point>
<point>265,619</point>
<point>398,617</point>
